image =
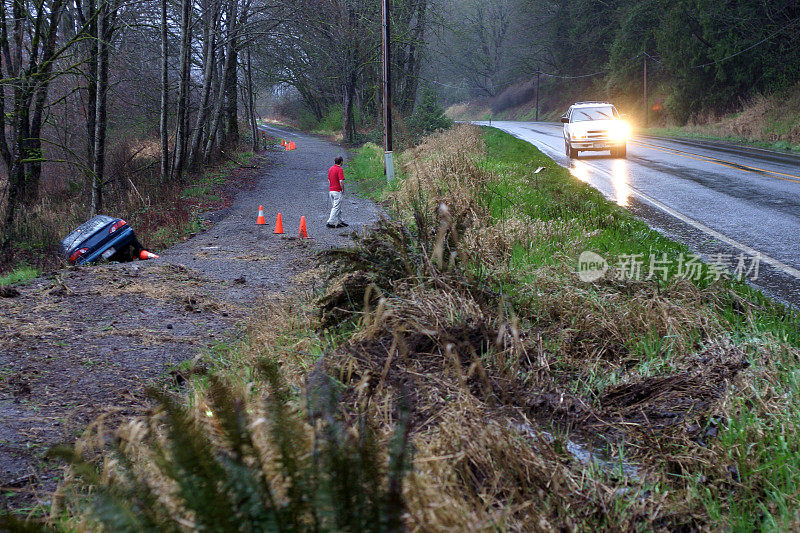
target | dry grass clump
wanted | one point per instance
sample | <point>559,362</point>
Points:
<point>444,169</point>
<point>479,470</point>
<point>470,370</point>
<point>762,118</point>
<point>284,331</point>
<point>492,243</point>
<point>604,322</point>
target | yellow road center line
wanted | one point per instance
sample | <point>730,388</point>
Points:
<point>720,162</point>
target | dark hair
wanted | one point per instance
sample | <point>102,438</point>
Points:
<point>338,160</point>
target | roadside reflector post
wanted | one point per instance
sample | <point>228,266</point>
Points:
<point>644,96</point>
<point>388,163</point>
<point>388,160</point>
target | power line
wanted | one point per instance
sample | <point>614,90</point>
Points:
<point>572,77</point>
<point>444,84</point>
<point>648,56</point>
<point>762,41</point>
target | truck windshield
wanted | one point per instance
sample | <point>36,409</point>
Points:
<point>594,113</point>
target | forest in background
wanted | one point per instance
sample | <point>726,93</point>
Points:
<point>702,57</point>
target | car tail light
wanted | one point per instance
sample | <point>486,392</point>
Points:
<point>118,224</point>
<point>76,254</point>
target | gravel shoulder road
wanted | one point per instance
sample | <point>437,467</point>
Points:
<point>88,341</point>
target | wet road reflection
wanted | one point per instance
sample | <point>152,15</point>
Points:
<point>620,180</point>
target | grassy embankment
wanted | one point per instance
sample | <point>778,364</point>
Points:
<point>527,398</point>
<point>771,121</point>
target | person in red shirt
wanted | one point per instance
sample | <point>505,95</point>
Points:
<point>336,190</point>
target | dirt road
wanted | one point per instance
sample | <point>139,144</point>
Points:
<point>88,341</point>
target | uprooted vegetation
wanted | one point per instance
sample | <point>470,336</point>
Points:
<point>459,342</point>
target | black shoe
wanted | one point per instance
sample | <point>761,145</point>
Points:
<point>331,226</point>
<point>342,225</point>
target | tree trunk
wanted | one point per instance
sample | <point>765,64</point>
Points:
<point>104,33</point>
<point>414,61</point>
<point>251,102</point>
<point>348,99</point>
<point>232,93</point>
<point>163,124</point>
<point>208,76</point>
<point>181,135</point>
<point>219,107</point>
<point>91,81</point>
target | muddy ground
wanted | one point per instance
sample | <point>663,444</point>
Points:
<point>87,341</point>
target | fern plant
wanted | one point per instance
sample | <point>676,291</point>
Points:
<point>223,484</point>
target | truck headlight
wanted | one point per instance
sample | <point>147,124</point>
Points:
<point>620,131</point>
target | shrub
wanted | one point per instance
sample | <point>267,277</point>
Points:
<point>428,115</point>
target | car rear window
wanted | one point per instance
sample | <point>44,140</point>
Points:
<point>85,230</point>
<point>581,114</point>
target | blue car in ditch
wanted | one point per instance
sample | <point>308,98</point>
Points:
<point>102,237</point>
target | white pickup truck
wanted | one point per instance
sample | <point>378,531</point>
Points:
<point>594,127</point>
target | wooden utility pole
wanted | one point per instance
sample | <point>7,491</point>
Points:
<point>387,96</point>
<point>644,62</point>
<point>538,71</point>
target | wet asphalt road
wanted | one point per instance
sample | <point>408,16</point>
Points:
<point>722,200</point>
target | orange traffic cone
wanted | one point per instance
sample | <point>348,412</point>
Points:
<point>144,254</point>
<point>279,224</point>
<point>292,145</point>
<point>260,220</point>
<point>283,143</point>
<point>303,233</point>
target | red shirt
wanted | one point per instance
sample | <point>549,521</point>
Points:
<point>335,178</point>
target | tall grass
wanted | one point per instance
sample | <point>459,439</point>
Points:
<point>767,120</point>
<point>365,171</point>
<point>716,347</point>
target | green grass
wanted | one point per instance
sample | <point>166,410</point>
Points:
<point>21,274</point>
<point>366,170</point>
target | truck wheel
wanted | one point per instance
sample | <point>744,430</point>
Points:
<point>620,153</point>
<point>573,153</point>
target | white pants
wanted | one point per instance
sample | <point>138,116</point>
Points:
<point>336,200</point>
